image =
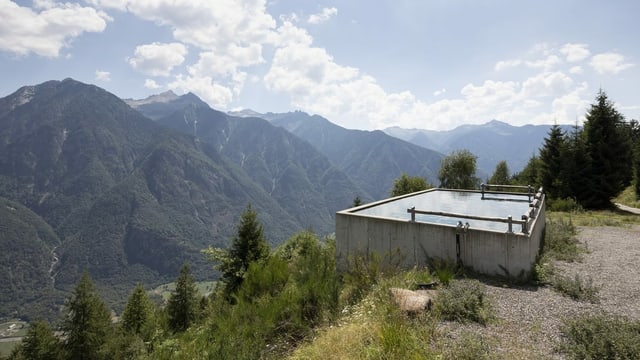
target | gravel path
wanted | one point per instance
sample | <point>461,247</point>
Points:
<point>530,317</point>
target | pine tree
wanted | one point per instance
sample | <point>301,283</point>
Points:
<point>87,324</point>
<point>40,343</point>
<point>248,246</point>
<point>182,308</point>
<point>138,315</point>
<point>609,149</point>
<point>553,162</point>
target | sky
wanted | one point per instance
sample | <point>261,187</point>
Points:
<point>425,64</point>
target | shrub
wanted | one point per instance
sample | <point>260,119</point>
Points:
<point>560,242</point>
<point>444,270</point>
<point>601,337</point>
<point>464,300</point>
<point>576,288</point>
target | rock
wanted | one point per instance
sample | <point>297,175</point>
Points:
<point>412,301</point>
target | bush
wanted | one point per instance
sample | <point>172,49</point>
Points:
<point>601,337</point>
<point>576,288</point>
<point>560,242</point>
<point>564,205</point>
<point>464,300</point>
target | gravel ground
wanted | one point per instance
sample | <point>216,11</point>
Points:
<point>529,318</point>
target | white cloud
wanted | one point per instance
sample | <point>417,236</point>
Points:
<point>575,52</point>
<point>576,70</point>
<point>103,75</point>
<point>506,64</point>
<point>546,84</point>
<point>323,16</point>
<point>151,84</point>
<point>439,92</point>
<point>45,33</point>
<point>547,64</point>
<point>609,63</point>
<point>214,94</point>
<point>158,59</point>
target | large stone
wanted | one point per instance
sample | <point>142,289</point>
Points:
<point>412,301</point>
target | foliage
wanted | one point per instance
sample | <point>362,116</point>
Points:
<point>560,242</point>
<point>576,288</point>
<point>356,201</point>
<point>183,304</point>
<point>248,246</point>
<point>501,175</point>
<point>465,300</point>
<point>554,162</point>
<point>609,149</point>
<point>87,325</point>
<point>601,337</point>
<point>458,171</point>
<point>40,343</point>
<point>530,174</point>
<point>138,316</point>
<point>406,184</point>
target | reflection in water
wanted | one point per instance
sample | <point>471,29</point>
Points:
<point>467,203</point>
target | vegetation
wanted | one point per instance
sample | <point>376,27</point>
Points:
<point>248,246</point>
<point>458,171</point>
<point>87,325</point>
<point>590,166</point>
<point>576,288</point>
<point>601,337</point>
<point>501,175</point>
<point>406,184</point>
<point>464,301</point>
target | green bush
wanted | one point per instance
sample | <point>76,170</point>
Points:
<point>560,242</point>
<point>576,288</point>
<point>464,301</point>
<point>601,337</point>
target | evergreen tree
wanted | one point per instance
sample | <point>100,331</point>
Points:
<point>356,201</point>
<point>635,141</point>
<point>458,171</point>
<point>182,308</point>
<point>501,174</point>
<point>248,246</point>
<point>87,324</point>
<point>609,149</point>
<point>138,315</point>
<point>552,164</point>
<point>406,184</point>
<point>578,166</point>
<point>40,343</point>
<point>530,175</point>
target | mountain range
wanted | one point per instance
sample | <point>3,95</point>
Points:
<point>129,190</point>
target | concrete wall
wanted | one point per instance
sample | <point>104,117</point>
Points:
<point>413,243</point>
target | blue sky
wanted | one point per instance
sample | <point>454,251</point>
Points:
<point>362,64</point>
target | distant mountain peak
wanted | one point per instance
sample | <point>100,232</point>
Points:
<point>245,113</point>
<point>163,97</point>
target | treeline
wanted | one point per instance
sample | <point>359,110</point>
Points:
<point>584,168</point>
<point>266,302</point>
<point>588,166</point>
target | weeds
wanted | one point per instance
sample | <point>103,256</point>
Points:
<point>464,301</point>
<point>576,288</point>
<point>601,337</point>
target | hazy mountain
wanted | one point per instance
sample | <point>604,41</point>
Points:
<point>301,179</point>
<point>491,142</point>
<point>372,159</point>
<point>128,199</point>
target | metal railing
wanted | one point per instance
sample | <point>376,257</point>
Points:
<point>535,200</point>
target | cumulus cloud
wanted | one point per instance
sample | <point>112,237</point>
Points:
<point>506,64</point>
<point>158,59</point>
<point>609,63</point>
<point>439,92</point>
<point>151,84</point>
<point>547,63</point>
<point>323,16</point>
<point>575,52</point>
<point>215,94</point>
<point>46,31</point>
<point>576,70</point>
<point>103,75</point>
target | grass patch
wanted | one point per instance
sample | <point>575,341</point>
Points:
<point>601,337</point>
<point>628,197</point>
<point>596,218</point>
<point>204,288</point>
<point>465,301</point>
<point>7,347</point>
<point>576,288</point>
